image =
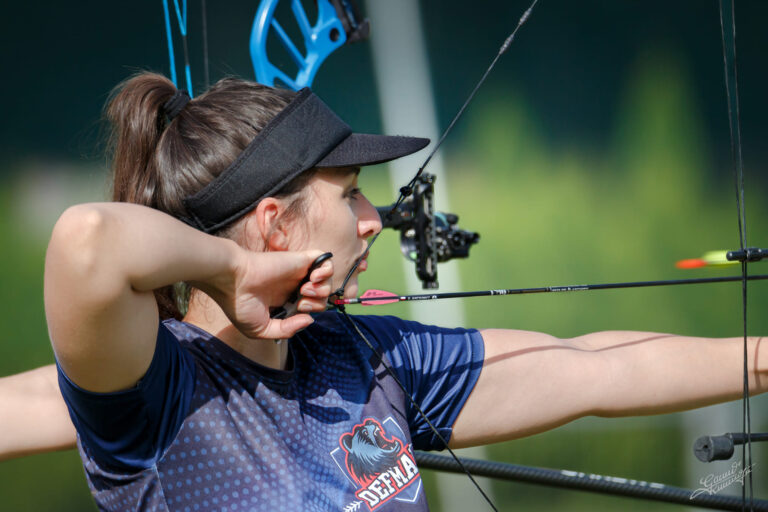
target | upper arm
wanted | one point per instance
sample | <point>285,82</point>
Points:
<point>131,429</point>
<point>530,382</point>
<point>437,366</point>
<point>103,331</point>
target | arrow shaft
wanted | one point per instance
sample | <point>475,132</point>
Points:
<point>546,289</point>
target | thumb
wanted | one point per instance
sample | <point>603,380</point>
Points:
<point>298,263</point>
<point>286,328</point>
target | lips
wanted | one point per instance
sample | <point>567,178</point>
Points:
<point>363,265</point>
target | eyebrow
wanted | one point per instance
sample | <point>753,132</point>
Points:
<point>348,170</point>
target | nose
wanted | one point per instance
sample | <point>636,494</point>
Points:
<point>368,220</point>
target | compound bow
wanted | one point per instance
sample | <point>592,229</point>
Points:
<point>429,237</point>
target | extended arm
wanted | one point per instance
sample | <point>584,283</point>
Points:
<point>34,417</point>
<point>533,382</point>
<point>104,261</point>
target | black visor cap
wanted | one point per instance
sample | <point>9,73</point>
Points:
<point>304,135</point>
<point>360,149</point>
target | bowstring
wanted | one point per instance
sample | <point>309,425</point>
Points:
<point>734,124</point>
<point>404,193</point>
<point>407,190</point>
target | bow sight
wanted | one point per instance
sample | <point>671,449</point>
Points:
<point>427,237</point>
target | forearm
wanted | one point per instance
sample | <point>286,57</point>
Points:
<point>103,262</point>
<point>649,373</point>
<point>111,245</point>
<point>34,417</point>
<point>532,382</point>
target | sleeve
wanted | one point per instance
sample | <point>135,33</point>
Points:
<point>439,367</point>
<point>130,430</point>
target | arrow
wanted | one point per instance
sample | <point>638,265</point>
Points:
<point>376,297</point>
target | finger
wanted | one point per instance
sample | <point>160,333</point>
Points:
<point>318,283</point>
<point>322,290</point>
<point>308,305</point>
<point>323,272</point>
<point>312,255</point>
<point>284,329</point>
<point>298,262</point>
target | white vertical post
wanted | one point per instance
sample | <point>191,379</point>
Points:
<point>407,108</point>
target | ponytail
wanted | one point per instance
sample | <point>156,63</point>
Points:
<point>158,163</point>
<point>135,114</point>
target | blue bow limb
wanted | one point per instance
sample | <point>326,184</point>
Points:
<point>320,40</point>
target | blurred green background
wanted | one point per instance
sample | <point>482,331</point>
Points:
<point>598,151</point>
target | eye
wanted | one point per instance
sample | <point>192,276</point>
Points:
<point>354,193</point>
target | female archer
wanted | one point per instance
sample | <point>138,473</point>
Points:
<point>236,193</point>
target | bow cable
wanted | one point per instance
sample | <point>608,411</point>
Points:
<point>206,72</point>
<point>730,71</point>
<point>421,412</point>
<point>181,18</point>
<point>169,36</point>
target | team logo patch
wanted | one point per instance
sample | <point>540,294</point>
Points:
<point>379,463</point>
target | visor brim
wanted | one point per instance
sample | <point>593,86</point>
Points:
<point>360,149</point>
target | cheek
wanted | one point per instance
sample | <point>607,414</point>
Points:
<point>315,210</point>
<point>306,228</point>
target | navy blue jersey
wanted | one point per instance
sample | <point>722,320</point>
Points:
<point>208,429</point>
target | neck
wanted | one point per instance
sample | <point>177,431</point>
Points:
<point>207,315</point>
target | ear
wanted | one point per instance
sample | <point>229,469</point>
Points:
<point>263,224</point>
<point>346,440</point>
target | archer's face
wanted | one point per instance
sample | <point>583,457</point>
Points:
<point>340,219</point>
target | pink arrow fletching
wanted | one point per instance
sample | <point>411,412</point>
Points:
<point>380,296</point>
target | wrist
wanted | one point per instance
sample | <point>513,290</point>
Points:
<point>228,260</point>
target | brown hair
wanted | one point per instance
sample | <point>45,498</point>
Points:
<point>157,163</point>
